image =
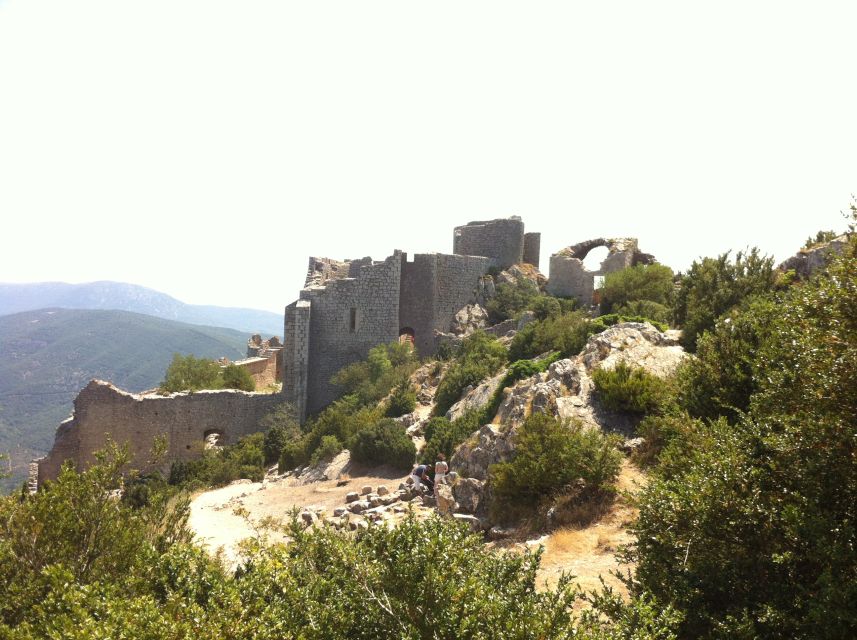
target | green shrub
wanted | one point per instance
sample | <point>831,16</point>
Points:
<point>511,299</point>
<point>187,373</point>
<point>280,427</point>
<point>217,467</point>
<point>327,450</point>
<point>565,333</point>
<point>293,455</point>
<point>602,323</point>
<point>653,312</point>
<point>712,286</point>
<point>386,366</point>
<point>626,388</point>
<point>384,443</point>
<point>479,357</point>
<point>443,436</point>
<point>403,400</point>
<point>549,456</point>
<point>235,377</point>
<point>653,283</point>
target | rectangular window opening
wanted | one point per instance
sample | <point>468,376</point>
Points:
<point>353,319</point>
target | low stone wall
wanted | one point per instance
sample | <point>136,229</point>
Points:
<point>103,413</point>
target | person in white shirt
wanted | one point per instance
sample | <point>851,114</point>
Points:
<point>440,471</point>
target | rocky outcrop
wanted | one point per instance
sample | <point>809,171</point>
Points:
<point>522,272</point>
<point>468,319</point>
<point>565,390</point>
<point>808,261</point>
<point>477,397</point>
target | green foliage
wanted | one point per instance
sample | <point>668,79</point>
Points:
<point>72,531</point>
<point>511,299</point>
<point>403,400</point>
<point>443,436</point>
<point>187,373</point>
<point>566,333</point>
<point>222,465</point>
<point>549,456</point>
<point>292,455</point>
<point>712,286</point>
<point>235,377</point>
<point>479,356</point>
<point>820,238</point>
<point>280,427</point>
<point>385,443</point>
<point>759,514</point>
<point>630,389</point>
<point>327,450</point>
<point>654,312</point>
<point>386,366</point>
<point>651,283</point>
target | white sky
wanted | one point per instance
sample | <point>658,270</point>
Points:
<point>206,148</point>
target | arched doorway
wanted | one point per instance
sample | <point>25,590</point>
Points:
<point>406,336</point>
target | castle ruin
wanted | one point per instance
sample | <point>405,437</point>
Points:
<point>348,307</point>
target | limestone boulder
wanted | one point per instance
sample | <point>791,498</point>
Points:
<point>477,397</point>
<point>637,344</point>
<point>468,493</point>
<point>522,272</point>
<point>468,319</point>
<point>445,500</point>
<point>489,445</point>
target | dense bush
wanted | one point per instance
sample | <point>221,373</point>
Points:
<point>235,377</point>
<point>653,312</point>
<point>327,449</point>
<point>386,366</point>
<point>652,283</point>
<point>478,357</point>
<point>280,427</point>
<point>384,443</point>
<point>712,286</point>
<point>630,389</point>
<point>759,514</point>
<point>222,465</point>
<point>403,400</point>
<point>601,323</point>
<point>549,456</point>
<point>566,333</point>
<point>443,436</point>
<point>511,299</point>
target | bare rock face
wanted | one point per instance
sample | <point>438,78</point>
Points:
<point>468,493</point>
<point>522,272</point>
<point>445,500</point>
<point>476,397</point>
<point>487,446</point>
<point>468,319</point>
<point>637,344</point>
<point>808,261</point>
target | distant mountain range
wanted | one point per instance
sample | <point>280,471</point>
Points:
<point>15,298</point>
<point>47,356</point>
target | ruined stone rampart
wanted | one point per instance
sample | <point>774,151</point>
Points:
<point>500,240</point>
<point>102,412</point>
<point>532,248</point>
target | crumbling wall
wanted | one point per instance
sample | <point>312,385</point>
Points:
<point>296,337</point>
<point>102,412</point>
<point>532,248</point>
<point>500,240</point>
<point>569,278</point>
<point>350,316</point>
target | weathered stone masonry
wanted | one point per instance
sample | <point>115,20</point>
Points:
<point>102,412</point>
<point>348,307</point>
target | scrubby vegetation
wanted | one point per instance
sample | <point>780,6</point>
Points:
<point>478,357</point>
<point>384,443</point>
<point>652,284</point>
<point>386,366</point>
<point>187,373</point>
<point>551,457</point>
<point>126,572</point>
<point>221,465</point>
<point>511,299</point>
<point>630,389</point>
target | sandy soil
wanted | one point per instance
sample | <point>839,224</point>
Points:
<point>218,527</point>
<point>589,552</point>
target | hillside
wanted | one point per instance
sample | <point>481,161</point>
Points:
<point>15,298</point>
<point>48,355</point>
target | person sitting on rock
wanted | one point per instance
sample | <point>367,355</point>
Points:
<point>440,471</point>
<point>420,475</point>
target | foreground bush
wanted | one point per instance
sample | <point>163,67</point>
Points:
<point>565,333</point>
<point>219,466</point>
<point>651,283</point>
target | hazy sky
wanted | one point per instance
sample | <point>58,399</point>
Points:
<point>206,148</point>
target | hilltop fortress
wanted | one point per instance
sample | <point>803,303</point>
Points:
<point>345,308</point>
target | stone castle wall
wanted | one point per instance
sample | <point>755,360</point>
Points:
<point>348,317</point>
<point>532,248</point>
<point>500,240</point>
<point>102,412</point>
<point>569,277</point>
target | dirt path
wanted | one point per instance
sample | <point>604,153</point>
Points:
<point>589,552</point>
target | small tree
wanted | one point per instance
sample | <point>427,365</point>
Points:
<point>187,373</point>
<point>235,377</point>
<point>653,282</point>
